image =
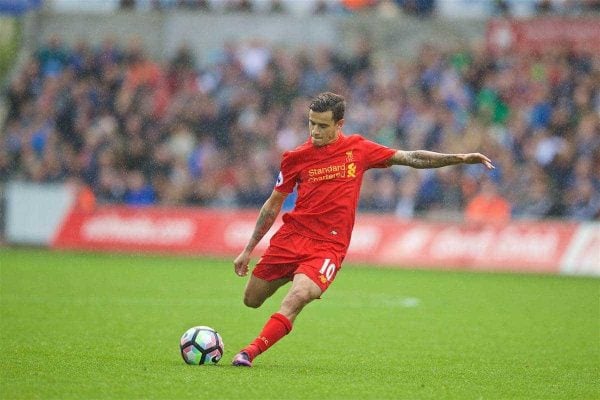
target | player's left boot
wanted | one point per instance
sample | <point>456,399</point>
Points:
<point>241,359</point>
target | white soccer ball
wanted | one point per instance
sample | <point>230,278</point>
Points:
<point>201,345</point>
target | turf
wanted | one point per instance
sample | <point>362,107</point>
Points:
<point>76,325</point>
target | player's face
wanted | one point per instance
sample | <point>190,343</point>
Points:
<point>323,130</point>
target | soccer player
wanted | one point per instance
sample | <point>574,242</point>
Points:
<point>310,246</point>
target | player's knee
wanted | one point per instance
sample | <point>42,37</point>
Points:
<point>252,301</point>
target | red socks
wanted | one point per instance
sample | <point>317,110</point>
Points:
<point>276,327</point>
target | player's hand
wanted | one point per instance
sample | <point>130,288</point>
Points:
<point>240,264</point>
<point>478,158</point>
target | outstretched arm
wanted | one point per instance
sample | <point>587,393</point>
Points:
<point>430,159</point>
<point>268,214</point>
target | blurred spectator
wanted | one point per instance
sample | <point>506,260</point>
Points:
<point>502,8</point>
<point>537,201</point>
<point>358,5</point>
<point>52,57</point>
<point>139,192</point>
<point>488,206</point>
<point>406,204</point>
<point>544,7</point>
<point>239,5</point>
<point>420,8</point>
<point>127,4</point>
<point>86,199</point>
<point>583,202</point>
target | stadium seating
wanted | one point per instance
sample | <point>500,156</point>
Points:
<point>141,132</point>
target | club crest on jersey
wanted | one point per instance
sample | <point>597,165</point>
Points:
<point>349,156</point>
<point>279,179</point>
<point>352,170</point>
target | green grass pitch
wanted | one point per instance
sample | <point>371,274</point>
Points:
<point>102,326</point>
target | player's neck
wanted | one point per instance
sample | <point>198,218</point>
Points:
<point>333,140</point>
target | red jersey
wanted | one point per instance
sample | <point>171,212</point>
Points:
<point>329,180</point>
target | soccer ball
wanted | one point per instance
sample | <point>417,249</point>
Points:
<point>201,345</point>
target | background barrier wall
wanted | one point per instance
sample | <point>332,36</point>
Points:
<point>51,215</point>
<point>549,247</point>
<point>34,212</point>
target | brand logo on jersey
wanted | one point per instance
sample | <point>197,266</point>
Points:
<point>279,179</point>
<point>327,173</point>
<point>332,172</point>
<point>352,170</point>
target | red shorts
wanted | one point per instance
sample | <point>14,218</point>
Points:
<point>290,253</point>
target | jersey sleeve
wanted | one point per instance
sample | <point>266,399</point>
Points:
<point>376,155</point>
<point>287,175</point>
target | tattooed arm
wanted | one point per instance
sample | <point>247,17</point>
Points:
<point>429,159</point>
<point>266,218</point>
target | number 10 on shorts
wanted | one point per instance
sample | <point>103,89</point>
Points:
<point>328,269</point>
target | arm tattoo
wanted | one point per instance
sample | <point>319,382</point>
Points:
<point>265,220</point>
<point>426,159</point>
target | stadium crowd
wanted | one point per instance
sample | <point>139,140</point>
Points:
<point>140,132</point>
<point>340,7</point>
<point>420,8</point>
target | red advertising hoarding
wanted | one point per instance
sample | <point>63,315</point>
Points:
<point>549,247</point>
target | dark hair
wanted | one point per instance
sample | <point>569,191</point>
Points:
<point>328,101</point>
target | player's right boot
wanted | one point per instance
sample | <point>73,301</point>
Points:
<point>241,359</point>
